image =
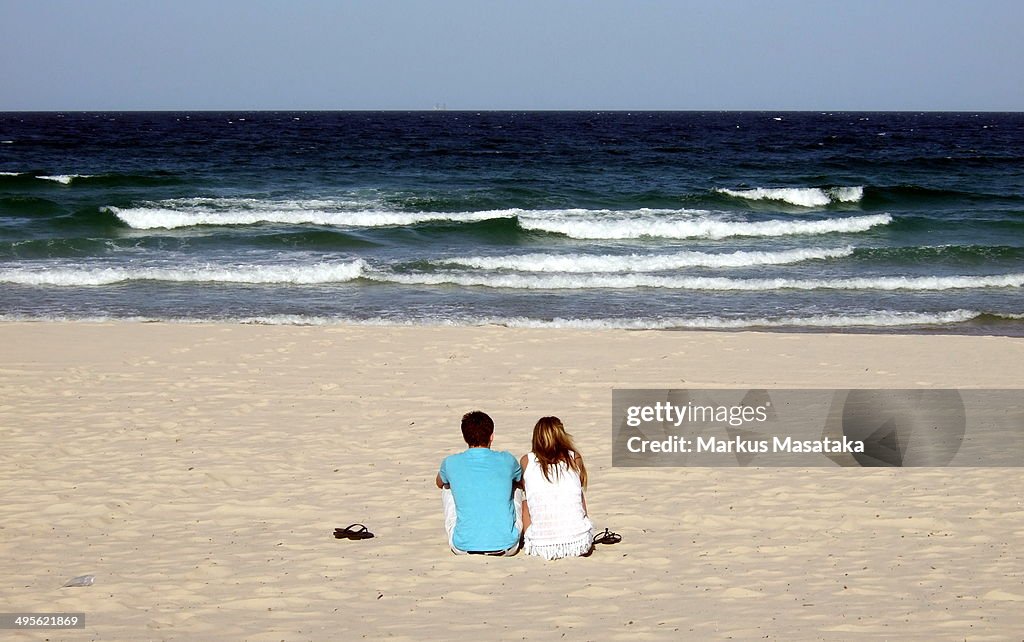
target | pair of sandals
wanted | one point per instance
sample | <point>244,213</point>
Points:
<point>359,531</point>
<point>353,531</point>
<point>607,537</point>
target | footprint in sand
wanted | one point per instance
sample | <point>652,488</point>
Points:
<point>597,592</point>
<point>1002,596</point>
<point>466,596</point>
<point>741,593</point>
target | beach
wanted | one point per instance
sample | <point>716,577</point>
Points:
<point>764,262</point>
<point>197,470</point>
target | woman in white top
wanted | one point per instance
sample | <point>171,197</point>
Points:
<point>555,522</point>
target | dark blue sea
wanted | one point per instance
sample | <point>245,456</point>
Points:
<point>839,221</point>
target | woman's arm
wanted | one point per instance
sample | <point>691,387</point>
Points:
<point>583,495</point>
<point>524,461</point>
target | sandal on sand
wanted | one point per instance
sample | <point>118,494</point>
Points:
<point>352,532</point>
<point>607,537</point>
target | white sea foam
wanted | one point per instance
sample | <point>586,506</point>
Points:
<point>881,318</point>
<point>202,204</point>
<point>258,274</point>
<point>876,318</point>
<point>629,281</point>
<point>579,263</point>
<point>63,179</point>
<point>847,194</point>
<point>145,218</point>
<point>175,213</point>
<point>801,196</point>
<point>708,227</point>
<point>64,318</point>
<point>322,272</point>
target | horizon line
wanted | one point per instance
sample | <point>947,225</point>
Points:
<point>507,110</point>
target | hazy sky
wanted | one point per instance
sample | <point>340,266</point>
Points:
<point>516,54</point>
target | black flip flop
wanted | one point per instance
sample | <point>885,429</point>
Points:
<point>607,537</point>
<point>352,532</point>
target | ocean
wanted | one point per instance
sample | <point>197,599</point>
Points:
<point>885,222</point>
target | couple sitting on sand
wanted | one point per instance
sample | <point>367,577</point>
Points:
<point>490,498</point>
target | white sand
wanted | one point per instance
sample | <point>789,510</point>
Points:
<point>198,471</point>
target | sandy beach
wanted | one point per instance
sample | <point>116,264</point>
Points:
<point>197,470</point>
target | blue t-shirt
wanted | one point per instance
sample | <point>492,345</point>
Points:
<point>481,481</point>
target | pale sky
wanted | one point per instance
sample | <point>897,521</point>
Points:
<point>516,54</point>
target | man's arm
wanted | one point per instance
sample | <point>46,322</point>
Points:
<point>442,477</point>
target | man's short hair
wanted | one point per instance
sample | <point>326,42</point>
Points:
<point>477,428</point>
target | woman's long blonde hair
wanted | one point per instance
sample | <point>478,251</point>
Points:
<point>552,446</point>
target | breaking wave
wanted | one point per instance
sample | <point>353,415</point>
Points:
<point>63,179</point>
<point>146,218</point>
<point>261,274</point>
<point>592,263</point>
<point>708,227</point>
<point>874,318</point>
<point>722,284</point>
<point>574,223</point>
<point>799,196</point>
<point>324,272</point>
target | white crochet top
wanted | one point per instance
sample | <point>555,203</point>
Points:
<point>559,527</point>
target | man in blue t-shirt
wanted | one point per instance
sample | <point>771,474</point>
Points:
<point>481,505</point>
